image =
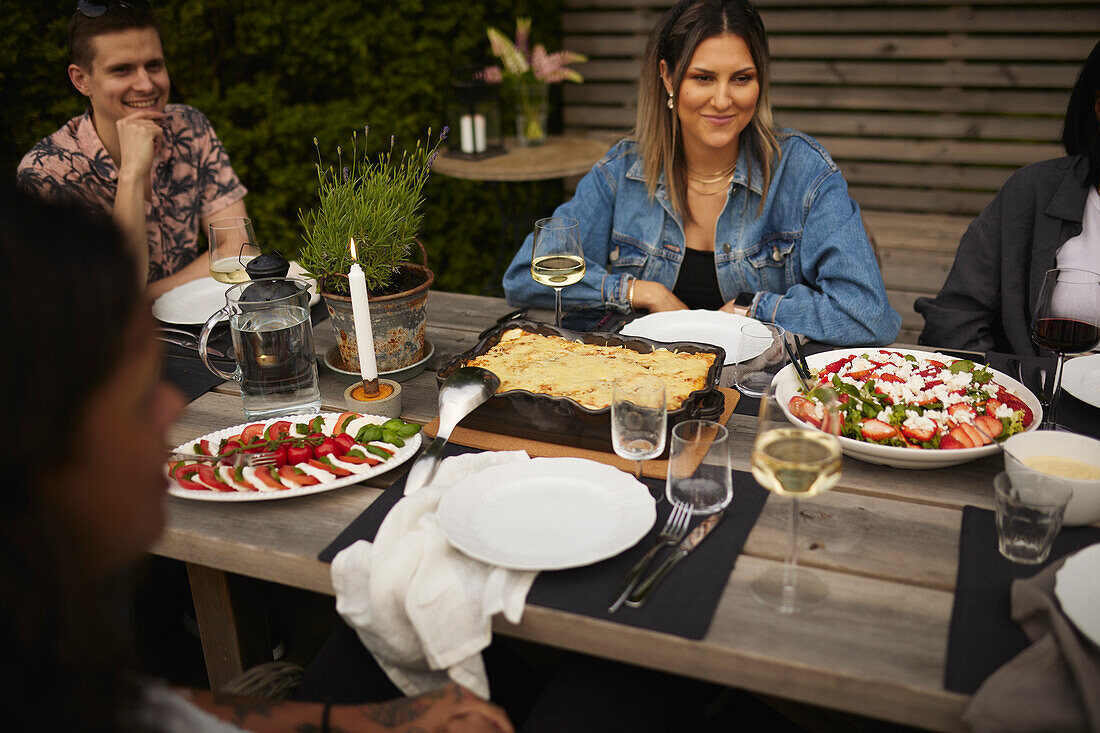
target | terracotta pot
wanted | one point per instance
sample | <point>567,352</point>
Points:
<point>399,323</point>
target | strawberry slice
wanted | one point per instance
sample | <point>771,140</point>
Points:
<point>874,429</point>
<point>958,435</point>
<point>921,435</point>
<point>976,436</point>
<point>805,410</point>
<point>989,426</point>
<point>992,405</point>
<point>1015,403</point>
<point>836,366</point>
<point>961,412</point>
<point>890,378</point>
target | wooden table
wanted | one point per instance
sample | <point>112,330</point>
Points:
<point>537,167</point>
<point>885,540</point>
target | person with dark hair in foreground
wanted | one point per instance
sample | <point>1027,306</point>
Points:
<point>84,451</point>
<point>158,168</point>
<point>710,206</point>
<point>1046,215</point>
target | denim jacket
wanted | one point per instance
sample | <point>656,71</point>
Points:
<point>806,257</point>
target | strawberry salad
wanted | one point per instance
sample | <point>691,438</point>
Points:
<point>895,399</point>
<point>319,451</point>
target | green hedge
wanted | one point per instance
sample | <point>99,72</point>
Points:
<point>273,75</point>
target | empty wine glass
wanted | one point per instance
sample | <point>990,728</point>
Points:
<point>795,462</point>
<point>638,418</point>
<point>1067,321</point>
<point>557,259</point>
<point>232,246</point>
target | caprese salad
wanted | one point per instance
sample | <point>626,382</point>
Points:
<point>320,450</point>
<point>896,399</point>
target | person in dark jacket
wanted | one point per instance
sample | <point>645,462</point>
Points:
<point>1046,215</point>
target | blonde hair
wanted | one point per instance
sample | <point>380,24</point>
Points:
<point>657,129</point>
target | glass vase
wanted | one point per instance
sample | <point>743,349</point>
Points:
<point>532,108</point>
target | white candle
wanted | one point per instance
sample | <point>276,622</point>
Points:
<point>479,133</point>
<point>466,133</point>
<point>360,309</point>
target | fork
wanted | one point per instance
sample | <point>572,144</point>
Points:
<point>674,530</point>
<point>254,460</point>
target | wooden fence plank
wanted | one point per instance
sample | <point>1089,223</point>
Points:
<point>940,151</point>
<point>945,101</point>
<point>965,127</point>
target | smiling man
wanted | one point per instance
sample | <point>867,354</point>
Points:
<point>158,168</point>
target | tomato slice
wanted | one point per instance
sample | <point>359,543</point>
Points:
<point>358,460</point>
<point>252,432</point>
<point>278,430</point>
<point>264,475</point>
<point>297,476</point>
<point>327,466</point>
<point>207,476</point>
<point>182,473</point>
<point>342,422</point>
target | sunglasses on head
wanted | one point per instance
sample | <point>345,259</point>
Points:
<point>93,9</point>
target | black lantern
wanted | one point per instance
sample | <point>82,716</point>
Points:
<point>474,117</point>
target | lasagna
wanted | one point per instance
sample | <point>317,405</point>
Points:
<point>558,367</point>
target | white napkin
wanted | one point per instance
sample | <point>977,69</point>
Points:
<point>422,608</point>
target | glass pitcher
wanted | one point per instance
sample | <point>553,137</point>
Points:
<point>273,340</point>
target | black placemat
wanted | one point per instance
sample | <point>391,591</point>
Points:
<point>1074,414</point>
<point>683,604</point>
<point>983,635</point>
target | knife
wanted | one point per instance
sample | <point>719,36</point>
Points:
<point>689,543</point>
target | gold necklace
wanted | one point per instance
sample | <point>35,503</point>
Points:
<point>723,176</point>
<point>702,190</point>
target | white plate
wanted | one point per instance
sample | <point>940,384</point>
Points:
<point>786,385</point>
<point>698,326</point>
<point>193,302</point>
<point>400,456</point>
<point>546,513</point>
<point>1081,378</point>
<point>1077,585</point>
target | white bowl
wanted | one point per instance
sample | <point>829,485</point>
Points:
<point>1084,505</point>
<point>786,386</point>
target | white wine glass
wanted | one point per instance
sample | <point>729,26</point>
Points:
<point>795,462</point>
<point>1067,321</point>
<point>639,416</point>
<point>232,247</point>
<point>557,259</point>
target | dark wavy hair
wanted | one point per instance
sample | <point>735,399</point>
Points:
<point>70,292</point>
<point>1081,129</point>
<point>83,29</point>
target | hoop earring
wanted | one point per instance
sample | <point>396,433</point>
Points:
<point>670,100</point>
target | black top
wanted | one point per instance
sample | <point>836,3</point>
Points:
<point>697,283</point>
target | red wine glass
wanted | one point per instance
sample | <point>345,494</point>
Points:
<point>1067,321</point>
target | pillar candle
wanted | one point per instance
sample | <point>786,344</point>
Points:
<point>360,308</point>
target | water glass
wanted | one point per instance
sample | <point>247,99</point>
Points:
<point>638,418</point>
<point>762,346</point>
<point>273,339</point>
<point>1030,507</point>
<point>699,471</point>
<point>232,247</point>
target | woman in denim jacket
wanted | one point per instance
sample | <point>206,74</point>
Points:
<point>678,217</point>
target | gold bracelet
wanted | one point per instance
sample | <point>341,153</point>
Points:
<point>630,293</point>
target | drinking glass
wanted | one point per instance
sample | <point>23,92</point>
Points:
<point>232,246</point>
<point>699,471</point>
<point>1067,321</point>
<point>1030,509</point>
<point>760,356</point>
<point>557,259</point>
<point>794,462</point>
<point>638,418</point>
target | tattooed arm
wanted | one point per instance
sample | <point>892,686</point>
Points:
<point>450,709</point>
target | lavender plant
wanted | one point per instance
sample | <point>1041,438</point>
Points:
<point>377,202</point>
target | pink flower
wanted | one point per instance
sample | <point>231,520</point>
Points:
<point>549,68</point>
